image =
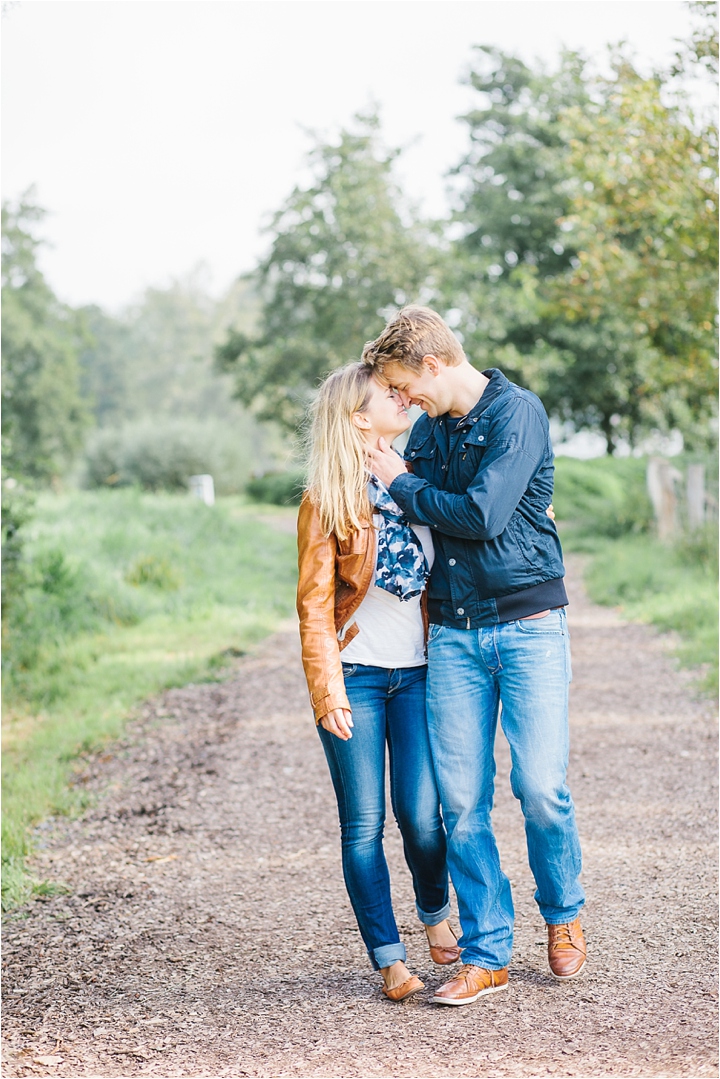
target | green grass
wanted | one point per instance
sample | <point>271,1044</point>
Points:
<point>671,587</point>
<point>603,510</point>
<point>128,594</point>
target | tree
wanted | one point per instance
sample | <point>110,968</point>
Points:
<point>566,177</point>
<point>156,356</point>
<point>511,211</point>
<point>44,414</point>
<point>643,218</point>
<point>344,250</point>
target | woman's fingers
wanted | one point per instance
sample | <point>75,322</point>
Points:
<point>338,722</point>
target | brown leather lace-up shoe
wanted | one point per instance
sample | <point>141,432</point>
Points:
<point>567,951</point>
<point>470,983</point>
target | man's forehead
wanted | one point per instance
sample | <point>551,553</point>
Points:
<point>397,375</point>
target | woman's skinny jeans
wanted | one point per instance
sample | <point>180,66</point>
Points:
<point>388,706</point>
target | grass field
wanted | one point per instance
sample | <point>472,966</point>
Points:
<point>130,593</point>
<point>604,511</point>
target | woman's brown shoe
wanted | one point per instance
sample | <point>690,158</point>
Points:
<point>443,955</point>
<point>407,989</point>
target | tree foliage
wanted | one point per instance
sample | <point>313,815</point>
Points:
<point>44,414</point>
<point>344,250</point>
<point>643,221</point>
<point>156,355</point>
<point>586,265</point>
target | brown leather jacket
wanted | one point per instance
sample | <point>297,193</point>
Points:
<point>334,576</point>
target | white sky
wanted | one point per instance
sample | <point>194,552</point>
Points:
<point>161,133</point>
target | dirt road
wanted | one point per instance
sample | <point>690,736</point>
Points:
<point>207,932</point>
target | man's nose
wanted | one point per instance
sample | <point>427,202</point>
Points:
<point>406,399</point>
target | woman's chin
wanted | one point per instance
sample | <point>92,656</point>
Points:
<point>400,430</point>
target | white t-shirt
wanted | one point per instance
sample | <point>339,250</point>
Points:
<point>390,630</point>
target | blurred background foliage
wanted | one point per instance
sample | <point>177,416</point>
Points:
<point>580,257</point>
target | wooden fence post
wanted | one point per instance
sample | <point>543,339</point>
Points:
<point>661,477</point>
<point>696,496</point>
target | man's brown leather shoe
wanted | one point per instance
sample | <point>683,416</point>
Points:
<point>470,983</point>
<point>567,951</point>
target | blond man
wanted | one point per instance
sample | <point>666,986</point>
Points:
<point>479,472</point>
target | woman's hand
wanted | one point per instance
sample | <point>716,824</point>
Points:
<point>338,722</point>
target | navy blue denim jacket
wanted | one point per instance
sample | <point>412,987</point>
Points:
<point>484,489</point>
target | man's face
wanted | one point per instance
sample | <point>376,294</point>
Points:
<point>425,388</point>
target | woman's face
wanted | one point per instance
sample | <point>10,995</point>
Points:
<point>384,416</point>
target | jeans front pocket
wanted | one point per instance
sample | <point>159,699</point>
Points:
<point>552,623</point>
<point>434,631</point>
<point>349,668</point>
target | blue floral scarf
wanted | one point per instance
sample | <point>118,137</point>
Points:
<point>402,567</point>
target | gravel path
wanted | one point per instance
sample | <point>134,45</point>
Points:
<point>206,931</point>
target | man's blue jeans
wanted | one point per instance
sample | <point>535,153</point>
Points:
<point>525,667</point>
<point>388,707</point>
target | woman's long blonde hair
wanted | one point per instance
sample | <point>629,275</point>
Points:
<point>337,474</point>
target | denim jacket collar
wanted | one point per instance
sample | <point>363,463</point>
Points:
<point>496,386</point>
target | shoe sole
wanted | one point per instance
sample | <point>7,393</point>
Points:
<point>568,977</point>
<point>399,1000</point>
<point>469,1000</point>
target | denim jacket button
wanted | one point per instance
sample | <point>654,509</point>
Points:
<point>481,438</point>
<point>461,610</point>
<point>451,561</point>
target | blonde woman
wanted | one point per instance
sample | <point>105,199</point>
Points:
<point>363,571</point>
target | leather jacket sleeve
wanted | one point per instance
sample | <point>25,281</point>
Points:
<point>315,607</point>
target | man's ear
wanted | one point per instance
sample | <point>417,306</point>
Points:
<point>360,420</point>
<point>433,364</point>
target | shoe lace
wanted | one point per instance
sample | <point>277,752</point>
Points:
<point>561,936</point>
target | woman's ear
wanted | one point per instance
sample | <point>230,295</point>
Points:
<point>360,420</point>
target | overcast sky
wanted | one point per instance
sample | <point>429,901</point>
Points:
<point>162,133</point>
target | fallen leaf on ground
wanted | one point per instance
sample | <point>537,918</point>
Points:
<point>49,1062</point>
<point>161,858</point>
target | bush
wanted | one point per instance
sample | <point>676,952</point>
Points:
<point>606,496</point>
<point>162,455</point>
<point>16,512</point>
<point>277,488</point>
<point>152,570</point>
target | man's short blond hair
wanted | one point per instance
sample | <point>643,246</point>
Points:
<point>413,333</point>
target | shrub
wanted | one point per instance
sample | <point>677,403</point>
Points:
<point>163,454</point>
<point>152,570</point>
<point>16,512</point>
<point>277,488</point>
<point>606,496</point>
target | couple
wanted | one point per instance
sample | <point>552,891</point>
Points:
<point>431,592</point>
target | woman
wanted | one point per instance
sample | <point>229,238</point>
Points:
<point>363,571</point>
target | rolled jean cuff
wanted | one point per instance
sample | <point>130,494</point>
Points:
<point>387,954</point>
<point>433,919</point>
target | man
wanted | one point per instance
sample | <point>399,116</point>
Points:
<point>482,477</point>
